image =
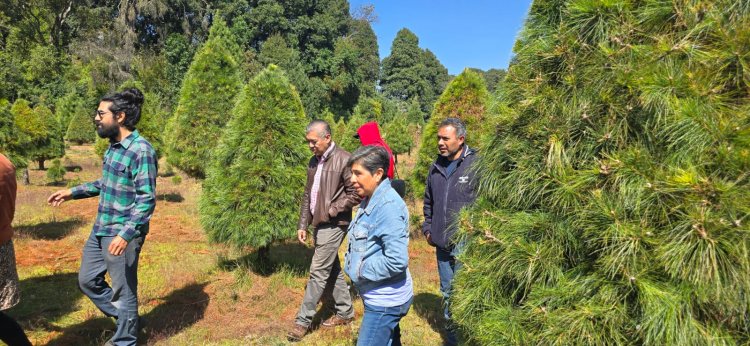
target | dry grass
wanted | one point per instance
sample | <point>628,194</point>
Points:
<point>191,292</point>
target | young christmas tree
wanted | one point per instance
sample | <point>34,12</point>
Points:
<point>253,187</point>
<point>398,136</point>
<point>466,98</point>
<point>80,127</point>
<point>39,130</point>
<point>614,195</point>
<point>206,99</point>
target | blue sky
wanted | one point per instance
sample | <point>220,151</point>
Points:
<point>467,33</point>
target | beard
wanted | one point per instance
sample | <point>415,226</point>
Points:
<point>108,131</point>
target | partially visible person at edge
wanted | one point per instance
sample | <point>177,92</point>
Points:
<point>10,332</point>
<point>127,200</point>
<point>327,206</point>
<point>451,185</point>
<point>377,260</point>
<point>369,134</point>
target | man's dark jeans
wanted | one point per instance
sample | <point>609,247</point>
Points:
<point>121,299</point>
<point>447,267</point>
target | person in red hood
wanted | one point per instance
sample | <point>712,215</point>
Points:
<point>369,134</point>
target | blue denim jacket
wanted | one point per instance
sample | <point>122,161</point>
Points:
<point>378,240</point>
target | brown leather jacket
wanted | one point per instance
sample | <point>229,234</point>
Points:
<point>336,195</point>
<point>7,198</point>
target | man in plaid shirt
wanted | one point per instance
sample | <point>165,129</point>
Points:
<point>127,198</point>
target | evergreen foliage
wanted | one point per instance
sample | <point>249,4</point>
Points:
<point>55,173</point>
<point>154,117</point>
<point>412,72</point>
<point>346,138</point>
<point>398,136</point>
<point>258,171</point>
<point>80,127</point>
<point>40,132</point>
<point>466,98</point>
<point>11,136</point>
<point>206,99</point>
<point>614,194</point>
<point>100,146</point>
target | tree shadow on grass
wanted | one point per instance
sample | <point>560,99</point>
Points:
<point>53,230</point>
<point>170,197</point>
<point>289,255</point>
<point>429,307</point>
<point>46,298</point>
<point>177,311</point>
<point>73,168</point>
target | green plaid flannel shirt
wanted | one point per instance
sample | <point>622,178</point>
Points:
<point>126,190</point>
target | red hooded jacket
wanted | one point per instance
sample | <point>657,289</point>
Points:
<point>369,134</point>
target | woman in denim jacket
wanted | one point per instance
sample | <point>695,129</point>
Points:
<point>377,260</point>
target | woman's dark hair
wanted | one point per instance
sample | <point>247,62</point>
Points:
<point>128,101</point>
<point>371,157</point>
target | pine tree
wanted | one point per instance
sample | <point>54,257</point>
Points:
<point>346,139</point>
<point>414,113</point>
<point>398,136</point>
<point>11,136</point>
<point>40,132</point>
<point>257,175</point>
<point>206,99</point>
<point>56,173</point>
<point>412,72</point>
<point>80,127</point>
<point>53,146</point>
<point>100,146</point>
<point>466,98</point>
<point>614,195</point>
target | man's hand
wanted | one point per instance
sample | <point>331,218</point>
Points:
<point>301,235</point>
<point>117,246</point>
<point>429,239</point>
<point>59,197</point>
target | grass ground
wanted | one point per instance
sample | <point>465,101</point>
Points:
<point>191,292</point>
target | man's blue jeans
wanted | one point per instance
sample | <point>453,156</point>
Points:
<point>447,267</point>
<point>121,299</point>
<point>380,325</point>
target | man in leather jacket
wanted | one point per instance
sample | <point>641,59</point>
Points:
<point>327,206</point>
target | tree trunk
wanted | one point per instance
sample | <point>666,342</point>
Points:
<point>26,177</point>
<point>41,164</point>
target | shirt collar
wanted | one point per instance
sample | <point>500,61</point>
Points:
<point>328,152</point>
<point>127,141</point>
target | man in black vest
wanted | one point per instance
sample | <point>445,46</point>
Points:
<point>451,185</point>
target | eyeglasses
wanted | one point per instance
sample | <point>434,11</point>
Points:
<point>98,113</point>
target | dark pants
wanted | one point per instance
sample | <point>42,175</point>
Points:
<point>11,333</point>
<point>447,267</point>
<point>380,325</point>
<point>326,275</point>
<point>121,299</point>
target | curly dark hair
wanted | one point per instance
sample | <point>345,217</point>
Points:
<point>128,101</point>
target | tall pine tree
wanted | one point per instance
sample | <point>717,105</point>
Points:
<point>614,194</point>
<point>257,175</point>
<point>206,100</point>
<point>412,72</point>
<point>466,98</point>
